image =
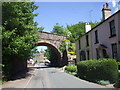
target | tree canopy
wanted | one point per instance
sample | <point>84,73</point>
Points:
<point>78,30</point>
<point>59,29</point>
<point>19,32</point>
<point>72,32</point>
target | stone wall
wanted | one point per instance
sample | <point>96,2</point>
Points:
<point>52,38</point>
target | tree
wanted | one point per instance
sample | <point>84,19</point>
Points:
<point>58,29</point>
<point>40,28</point>
<point>78,30</point>
<point>19,34</point>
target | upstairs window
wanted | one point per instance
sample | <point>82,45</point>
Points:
<point>79,44</point>
<point>112,28</point>
<point>87,40</point>
<point>96,37</point>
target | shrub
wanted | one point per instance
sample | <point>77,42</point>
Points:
<point>101,69</point>
<point>118,65</point>
<point>103,82</point>
<point>71,69</point>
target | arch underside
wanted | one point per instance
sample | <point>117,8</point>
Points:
<point>57,61</point>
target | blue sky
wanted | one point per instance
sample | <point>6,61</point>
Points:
<point>69,13</point>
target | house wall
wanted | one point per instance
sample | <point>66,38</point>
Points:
<point>104,37</point>
<point>118,36</point>
<point>83,47</point>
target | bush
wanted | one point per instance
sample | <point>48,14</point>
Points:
<point>118,65</point>
<point>71,69</point>
<point>96,70</point>
<point>103,82</point>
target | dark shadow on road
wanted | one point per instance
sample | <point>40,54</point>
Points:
<point>40,67</point>
<point>28,73</point>
<point>22,75</point>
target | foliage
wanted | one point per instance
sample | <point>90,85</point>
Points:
<point>63,46</point>
<point>48,53</point>
<point>40,28</point>
<point>35,62</point>
<point>71,69</point>
<point>78,30</point>
<point>34,50</point>
<point>51,56</point>
<point>2,82</point>
<point>19,33</point>
<point>101,69</point>
<point>58,29</point>
<point>72,47</point>
<point>103,82</point>
<point>72,32</point>
<point>118,65</point>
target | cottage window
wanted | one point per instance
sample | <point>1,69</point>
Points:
<point>114,50</point>
<point>112,28</point>
<point>96,37</point>
<point>87,40</point>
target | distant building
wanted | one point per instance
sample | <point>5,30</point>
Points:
<point>102,41</point>
<point>36,57</point>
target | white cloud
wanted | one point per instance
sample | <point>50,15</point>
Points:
<point>114,3</point>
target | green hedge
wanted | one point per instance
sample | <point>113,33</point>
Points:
<point>71,69</point>
<point>118,65</point>
<point>101,69</point>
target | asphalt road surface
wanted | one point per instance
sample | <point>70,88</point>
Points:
<point>45,77</point>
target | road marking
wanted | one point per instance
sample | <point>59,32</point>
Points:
<point>47,80</point>
<point>29,81</point>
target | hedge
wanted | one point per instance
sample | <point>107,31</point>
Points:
<point>95,70</point>
<point>118,65</point>
<point>71,69</point>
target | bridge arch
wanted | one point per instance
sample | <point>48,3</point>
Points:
<point>53,41</point>
<point>57,52</point>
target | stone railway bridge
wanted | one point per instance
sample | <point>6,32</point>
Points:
<point>50,40</point>
<point>53,41</point>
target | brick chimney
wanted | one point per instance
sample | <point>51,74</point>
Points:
<point>87,27</point>
<point>106,11</point>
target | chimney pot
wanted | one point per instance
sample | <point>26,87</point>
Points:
<point>106,11</point>
<point>87,27</point>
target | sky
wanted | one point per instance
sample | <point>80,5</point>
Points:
<point>50,13</point>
